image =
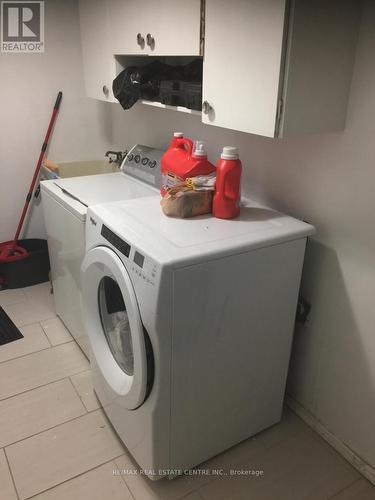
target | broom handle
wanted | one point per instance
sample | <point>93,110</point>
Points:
<point>37,169</point>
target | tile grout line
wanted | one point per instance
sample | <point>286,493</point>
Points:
<point>24,355</point>
<point>55,427</point>
<point>188,494</point>
<point>41,385</point>
<point>123,479</point>
<point>3,306</point>
<point>67,342</point>
<point>31,353</point>
<point>71,339</point>
<point>32,323</point>
<point>12,290</point>
<point>44,332</point>
<point>316,437</point>
<point>76,391</point>
<point>194,490</point>
<point>78,475</point>
<point>335,495</point>
<point>329,447</point>
<point>50,346</point>
<point>11,474</point>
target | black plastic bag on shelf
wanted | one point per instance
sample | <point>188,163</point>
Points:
<point>145,82</point>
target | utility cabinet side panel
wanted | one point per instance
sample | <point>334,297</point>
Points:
<point>319,65</point>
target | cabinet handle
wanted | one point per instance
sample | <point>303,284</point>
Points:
<point>140,39</point>
<point>206,107</point>
<point>105,90</point>
<point>150,40</point>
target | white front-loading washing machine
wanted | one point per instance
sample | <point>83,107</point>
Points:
<point>65,203</point>
<point>190,324</point>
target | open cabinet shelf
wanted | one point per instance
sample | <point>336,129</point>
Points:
<point>181,109</point>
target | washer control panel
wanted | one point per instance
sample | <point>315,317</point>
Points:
<point>143,163</point>
<point>142,267</point>
<point>121,245</point>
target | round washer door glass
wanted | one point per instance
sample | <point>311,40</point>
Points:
<point>120,348</point>
<point>115,322</point>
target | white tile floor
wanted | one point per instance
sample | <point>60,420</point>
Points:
<point>56,444</point>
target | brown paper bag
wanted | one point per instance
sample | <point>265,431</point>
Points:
<point>186,203</point>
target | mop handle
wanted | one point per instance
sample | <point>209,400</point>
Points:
<point>37,169</point>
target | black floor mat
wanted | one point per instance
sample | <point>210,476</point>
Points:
<point>8,330</point>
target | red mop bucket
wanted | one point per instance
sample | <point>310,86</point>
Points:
<point>20,260</point>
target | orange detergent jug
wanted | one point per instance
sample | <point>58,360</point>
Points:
<point>180,161</point>
<point>226,203</point>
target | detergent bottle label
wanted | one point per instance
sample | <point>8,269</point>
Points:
<point>170,179</point>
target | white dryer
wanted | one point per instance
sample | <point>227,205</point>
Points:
<point>190,324</point>
<point>65,203</point>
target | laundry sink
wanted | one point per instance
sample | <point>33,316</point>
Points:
<point>79,168</point>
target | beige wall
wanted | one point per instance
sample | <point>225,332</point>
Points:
<point>28,87</point>
<point>328,180</point>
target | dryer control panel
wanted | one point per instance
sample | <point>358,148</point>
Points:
<point>143,162</point>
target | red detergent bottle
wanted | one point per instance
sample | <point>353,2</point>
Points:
<point>181,161</point>
<point>226,202</point>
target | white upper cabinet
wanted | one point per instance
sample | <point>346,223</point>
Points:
<point>156,27</point>
<point>98,62</point>
<point>278,68</point>
<point>242,58</point>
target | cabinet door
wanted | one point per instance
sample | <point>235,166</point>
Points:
<point>242,64</point>
<point>150,27</point>
<point>176,27</point>
<point>98,62</point>
<point>129,21</point>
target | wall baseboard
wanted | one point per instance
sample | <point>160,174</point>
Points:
<point>356,461</point>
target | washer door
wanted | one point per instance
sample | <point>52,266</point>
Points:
<point>113,324</point>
